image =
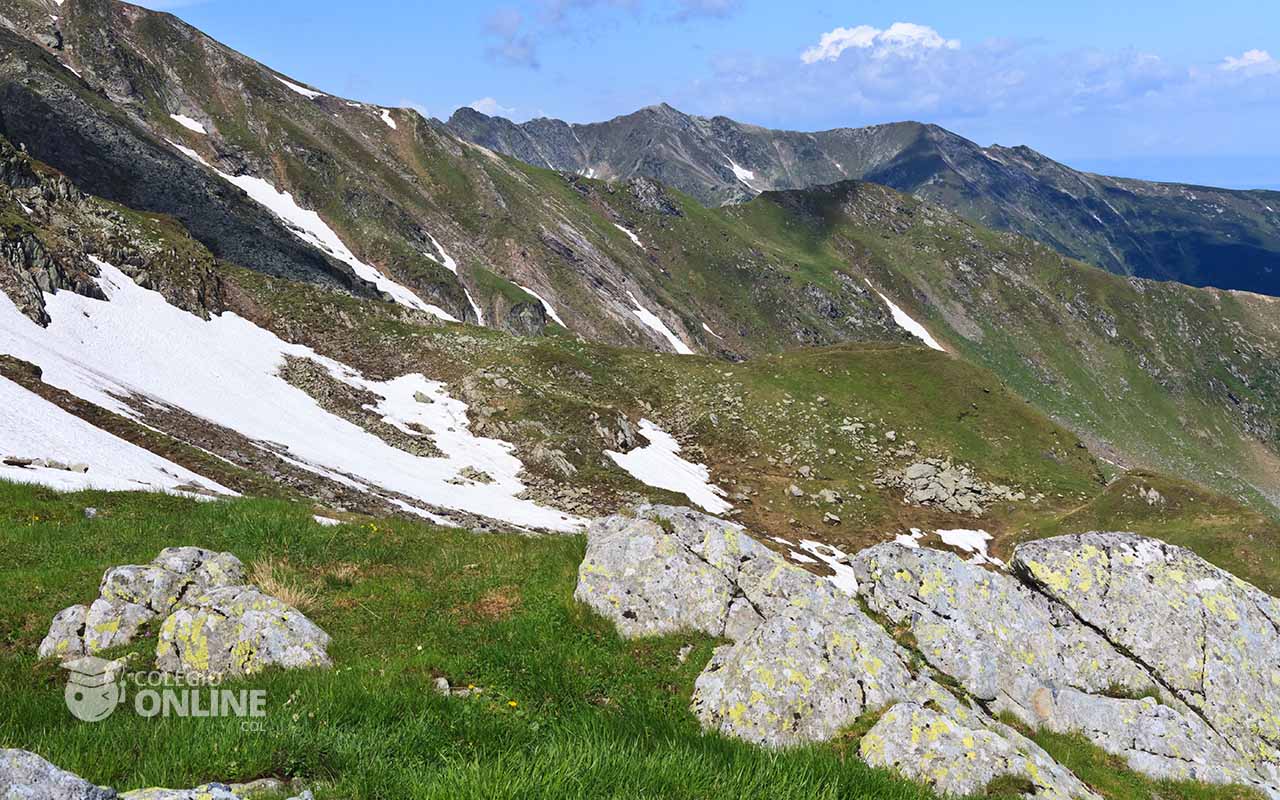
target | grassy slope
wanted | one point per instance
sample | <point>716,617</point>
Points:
<point>568,710</point>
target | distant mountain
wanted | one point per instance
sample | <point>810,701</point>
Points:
<point>1197,235</point>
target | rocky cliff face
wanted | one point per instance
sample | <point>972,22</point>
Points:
<point>1178,681</point>
<point>1194,234</point>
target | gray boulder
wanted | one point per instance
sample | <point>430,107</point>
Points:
<point>1209,636</point>
<point>208,791</point>
<point>27,776</point>
<point>238,630</point>
<point>66,634</point>
<point>961,753</point>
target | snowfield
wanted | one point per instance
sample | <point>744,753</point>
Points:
<point>32,427</point>
<point>136,349</point>
<point>551,312</point>
<point>310,94</point>
<point>658,464</point>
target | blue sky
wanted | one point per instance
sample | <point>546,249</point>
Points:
<point>1175,90</point>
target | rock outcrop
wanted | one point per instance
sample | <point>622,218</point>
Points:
<point>1211,638</point>
<point>1017,651</point>
<point>1077,645</point>
<point>212,622</point>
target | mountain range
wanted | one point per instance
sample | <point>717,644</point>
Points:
<point>134,140</point>
<point>1193,234</point>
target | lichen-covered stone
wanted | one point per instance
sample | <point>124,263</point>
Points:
<point>648,582</point>
<point>131,595</point>
<point>27,776</point>
<point>801,676</point>
<point>111,623</point>
<point>1209,636</point>
<point>1015,650</point>
<point>208,791</point>
<point>668,569</point>
<point>238,630</point>
<point>961,755</point>
<point>66,634</point>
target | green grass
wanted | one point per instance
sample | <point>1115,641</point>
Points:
<point>568,710</point>
<point>595,716</point>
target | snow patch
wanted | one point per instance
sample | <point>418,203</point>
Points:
<point>309,227</point>
<point>310,94</point>
<point>910,540</point>
<point>26,209</point>
<point>326,522</point>
<point>836,559</point>
<point>225,370</point>
<point>32,427</point>
<point>654,323</point>
<point>742,174</point>
<point>386,117</point>
<point>801,558</point>
<point>630,235</point>
<point>445,260</point>
<point>475,308</point>
<point>659,465</point>
<point>551,312</point>
<point>713,333</point>
<point>904,321</point>
<point>188,123</point>
<point>970,541</point>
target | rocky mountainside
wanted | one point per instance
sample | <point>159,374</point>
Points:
<point>1198,235</point>
<point>207,177</point>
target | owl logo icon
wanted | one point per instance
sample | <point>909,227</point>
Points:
<point>93,688</point>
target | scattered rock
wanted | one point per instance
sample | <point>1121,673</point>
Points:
<point>939,483</point>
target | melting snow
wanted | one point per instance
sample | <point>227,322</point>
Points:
<point>834,558</point>
<point>551,312</point>
<point>658,465</point>
<point>225,370</point>
<point>801,558</point>
<point>326,522</point>
<point>653,322</point>
<point>188,123</point>
<point>32,427</point>
<point>309,227</point>
<point>970,541</point>
<point>911,540</point>
<point>26,209</point>
<point>386,117</point>
<point>904,321</point>
<point>310,94</point>
<point>474,307</point>
<point>630,235</point>
<point>444,260</point>
<point>744,175</point>
<point>713,333</point>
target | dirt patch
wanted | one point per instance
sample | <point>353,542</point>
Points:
<point>494,605</point>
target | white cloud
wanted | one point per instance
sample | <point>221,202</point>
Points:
<point>487,105</point>
<point>1252,61</point>
<point>899,39</point>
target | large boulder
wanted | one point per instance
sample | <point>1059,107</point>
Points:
<point>961,753</point>
<point>666,569</point>
<point>238,630</point>
<point>27,776</point>
<point>132,595</point>
<point>1209,636</point>
<point>1015,650</point>
<point>801,676</point>
<point>208,791</point>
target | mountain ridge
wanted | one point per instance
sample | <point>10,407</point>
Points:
<point>1128,226</point>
